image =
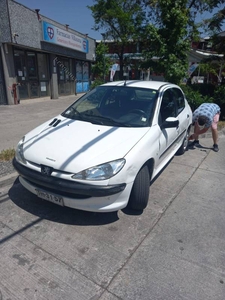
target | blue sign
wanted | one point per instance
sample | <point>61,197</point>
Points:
<point>58,36</point>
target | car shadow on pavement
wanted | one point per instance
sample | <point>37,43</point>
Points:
<point>52,212</point>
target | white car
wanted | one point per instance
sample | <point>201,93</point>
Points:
<point>102,152</point>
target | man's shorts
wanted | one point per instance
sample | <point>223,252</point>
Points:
<point>215,121</point>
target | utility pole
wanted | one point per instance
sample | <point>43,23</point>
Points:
<point>103,36</point>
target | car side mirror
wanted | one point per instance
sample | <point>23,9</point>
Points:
<point>170,123</point>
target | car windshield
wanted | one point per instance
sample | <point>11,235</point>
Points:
<point>121,106</point>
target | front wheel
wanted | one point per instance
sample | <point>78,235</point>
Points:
<point>140,190</point>
<point>184,145</point>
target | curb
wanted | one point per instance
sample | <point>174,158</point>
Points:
<point>8,179</point>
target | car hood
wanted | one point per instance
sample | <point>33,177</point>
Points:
<point>74,145</point>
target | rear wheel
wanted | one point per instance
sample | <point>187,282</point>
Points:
<point>184,145</point>
<point>140,190</point>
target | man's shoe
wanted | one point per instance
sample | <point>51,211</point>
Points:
<point>215,148</point>
<point>195,142</point>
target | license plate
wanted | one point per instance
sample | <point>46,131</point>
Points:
<point>50,197</point>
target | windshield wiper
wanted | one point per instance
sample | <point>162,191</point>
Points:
<point>104,120</point>
<point>94,119</point>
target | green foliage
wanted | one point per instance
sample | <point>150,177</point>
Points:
<point>165,27</point>
<point>195,98</point>
<point>96,82</point>
<point>170,30</point>
<point>205,89</point>
<point>196,94</point>
<point>217,20</point>
<point>211,68</point>
<point>121,21</point>
<point>168,41</point>
<point>7,155</point>
<point>102,63</point>
<point>219,95</point>
<point>219,98</point>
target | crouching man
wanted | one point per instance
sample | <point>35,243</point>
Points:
<point>205,116</point>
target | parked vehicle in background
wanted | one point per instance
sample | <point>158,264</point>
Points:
<point>102,152</point>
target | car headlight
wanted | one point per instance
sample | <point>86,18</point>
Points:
<point>101,172</point>
<point>19,152</point>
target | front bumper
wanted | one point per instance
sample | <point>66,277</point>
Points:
<point>65,187</point>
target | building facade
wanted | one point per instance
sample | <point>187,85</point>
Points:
<point>40,57</point>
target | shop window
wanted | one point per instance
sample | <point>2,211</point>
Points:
<point>79,72</point>
<point>64,70</point>
<point>67,70</point>
<point>32,73</point>
<point>42,67</point>
<point>31,65</point>
<point>65,77</point>
<point>43,88</point>
<point>34,89</point>
<point>43,74</point>
<point>82,76</point>
<point>23,90</point>
<point>20,65</point>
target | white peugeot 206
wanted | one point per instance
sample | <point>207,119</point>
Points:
<point>102,152</point>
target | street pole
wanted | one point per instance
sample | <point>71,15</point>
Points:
<point>103,35</point>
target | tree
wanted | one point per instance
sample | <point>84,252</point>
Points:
<point>102,64</point>
<point>165,27</point>
<point>169,31</point>
<point>213,66</point>
<point>215,25</point>
<point>121,21</point>
<point>166,38</point>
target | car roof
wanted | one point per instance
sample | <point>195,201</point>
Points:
<point>156,85</point>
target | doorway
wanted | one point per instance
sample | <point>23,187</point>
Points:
<point>32,74</point>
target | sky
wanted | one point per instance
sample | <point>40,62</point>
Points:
<point>73,12</point>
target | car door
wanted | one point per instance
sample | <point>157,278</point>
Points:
<point>168,136</point>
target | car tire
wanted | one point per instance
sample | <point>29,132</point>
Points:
<point>140,190</point>
<point>184,145</point>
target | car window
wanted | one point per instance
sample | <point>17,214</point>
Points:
<point>179,99</point>
<point>91,101</point>
<point>120,105</point>
<point>168,107</point>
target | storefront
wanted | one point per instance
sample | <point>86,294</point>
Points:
<point>41,57</point>
<point>32,73</point>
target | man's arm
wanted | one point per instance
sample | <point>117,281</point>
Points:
<point>197,131</point>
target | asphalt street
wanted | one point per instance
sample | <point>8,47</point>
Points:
<point>173,250</point>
